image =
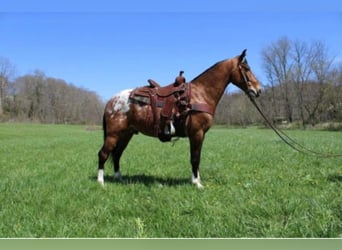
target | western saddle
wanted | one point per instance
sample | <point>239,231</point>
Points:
<point>173,101</point>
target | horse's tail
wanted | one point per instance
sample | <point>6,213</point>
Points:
<point>104,127</point>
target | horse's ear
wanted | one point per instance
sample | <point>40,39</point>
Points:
<point>242,56</point>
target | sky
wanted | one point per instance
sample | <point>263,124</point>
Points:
<point>108,46</point>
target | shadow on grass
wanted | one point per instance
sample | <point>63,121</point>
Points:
<point>335,178</point>
<point>147,180</point>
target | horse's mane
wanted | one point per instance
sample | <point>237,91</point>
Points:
<point>206,71</point>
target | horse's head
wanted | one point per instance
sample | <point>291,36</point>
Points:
<point>244,78</point>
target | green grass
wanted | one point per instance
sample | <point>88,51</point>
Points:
<point>255,186</point>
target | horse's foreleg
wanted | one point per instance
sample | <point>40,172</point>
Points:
<point>196,142</point>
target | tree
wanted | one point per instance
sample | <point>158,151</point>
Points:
<point>278,66</point>
<point>333,96</point>
<point>6,72</point>
<point>298,73</point>
<point>301,73</point>
<point>321,68</point>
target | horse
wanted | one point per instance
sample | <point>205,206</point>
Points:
<point>123,117</point>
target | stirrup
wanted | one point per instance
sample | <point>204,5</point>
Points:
<point>169,129</point>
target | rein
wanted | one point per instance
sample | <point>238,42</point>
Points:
<point>288,140</point>
<point>282,135</point>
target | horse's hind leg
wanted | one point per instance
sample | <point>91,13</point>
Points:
<point>108,146</point>
<point>117,152</point>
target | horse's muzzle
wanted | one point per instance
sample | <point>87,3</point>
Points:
<point>253,93</point>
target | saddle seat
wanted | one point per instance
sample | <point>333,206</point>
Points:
<point>171,89</point>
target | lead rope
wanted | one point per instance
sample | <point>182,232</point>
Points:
<point>288,140</point>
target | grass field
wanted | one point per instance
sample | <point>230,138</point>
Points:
<point>255,186</point>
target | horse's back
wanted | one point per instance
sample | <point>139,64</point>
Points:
<point>119,103</point>
<point>122,114</point>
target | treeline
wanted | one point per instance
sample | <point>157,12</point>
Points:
<point>38,98</point>
<point>304,87</point>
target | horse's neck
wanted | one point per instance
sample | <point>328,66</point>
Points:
<point>212,83</point>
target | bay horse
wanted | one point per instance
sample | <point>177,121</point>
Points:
<point>123,117</point>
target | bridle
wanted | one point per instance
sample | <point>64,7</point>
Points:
<point>246,80</point>
<point>244,76</point>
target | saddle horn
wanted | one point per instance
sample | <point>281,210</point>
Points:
<point>180,79</point>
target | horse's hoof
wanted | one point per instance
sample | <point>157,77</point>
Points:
<point>117,176</point>
<point>101,182</point>
<point>196,181</point>
<point>199,185</point>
